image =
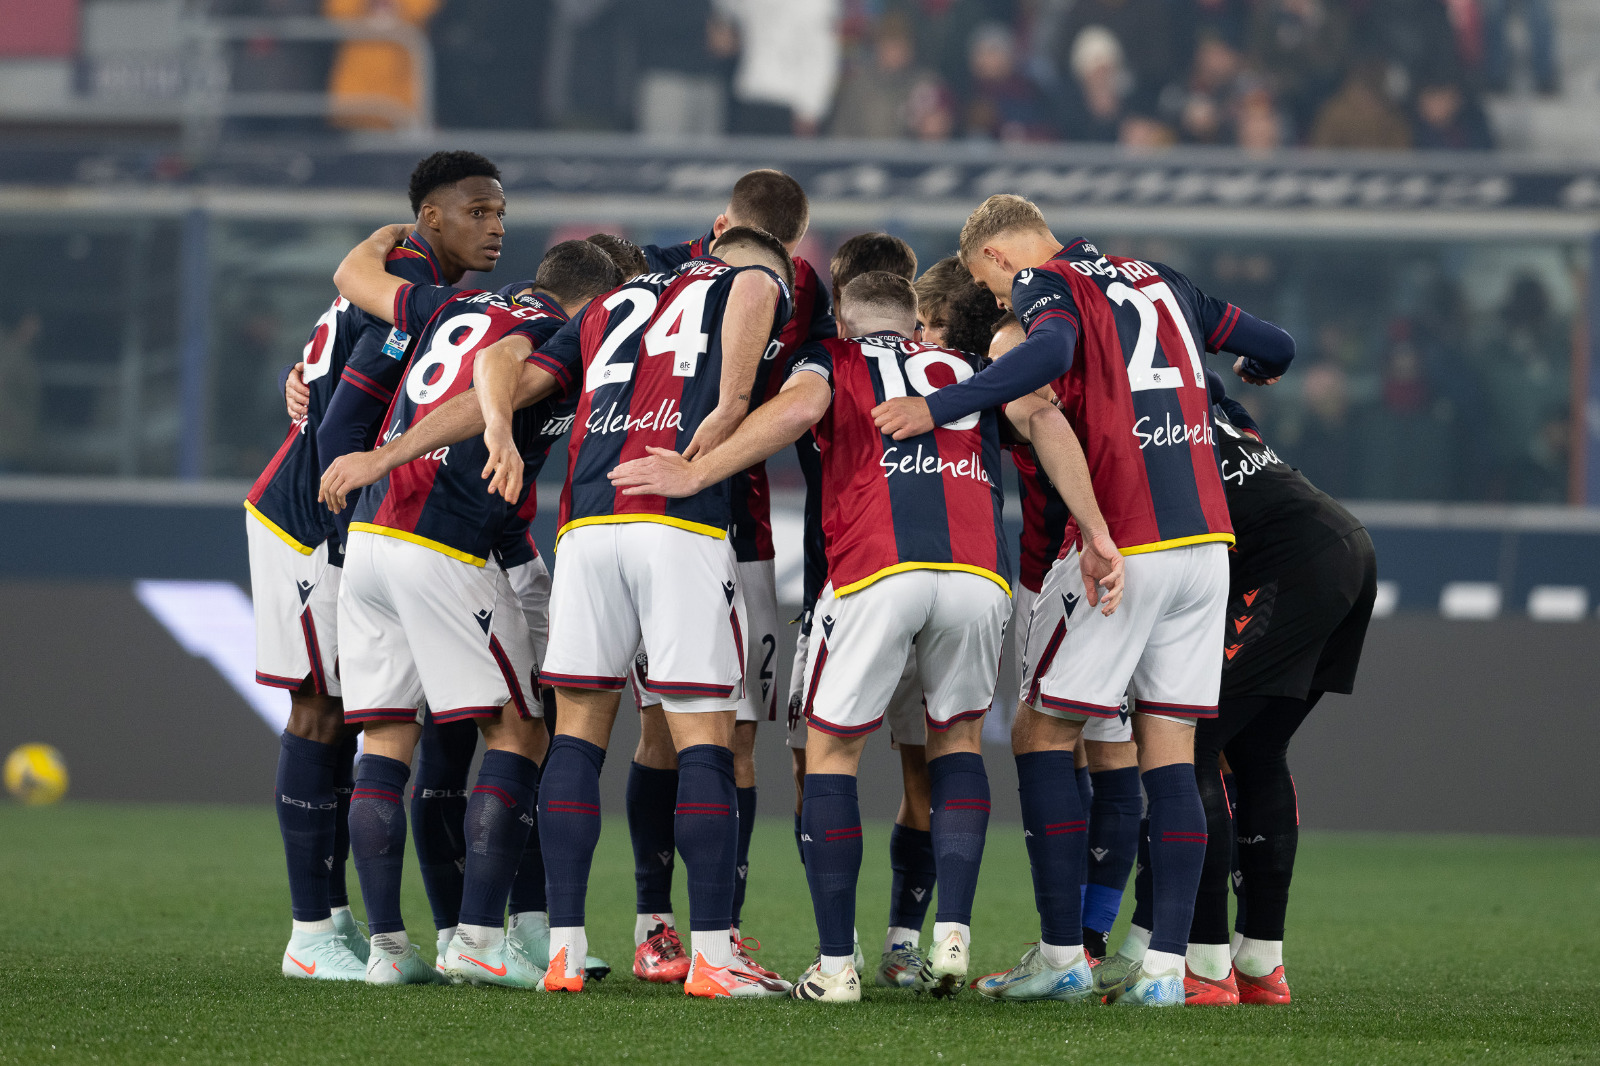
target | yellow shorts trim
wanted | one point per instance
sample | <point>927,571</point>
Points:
<point>270,524</point>
<point>658,519</point>
<point>1179,542</point>
<point>900,568</point>
<point>400,534</point>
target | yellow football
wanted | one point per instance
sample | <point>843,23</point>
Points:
<point>36,774</point>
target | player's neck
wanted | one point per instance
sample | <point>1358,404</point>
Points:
<point>451,269</point>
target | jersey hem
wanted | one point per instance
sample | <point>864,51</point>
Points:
<point>658,519</point>
<point>277,529</point>
<point>900,568</point>
<point>1177,542</point>
<point>400,534</point>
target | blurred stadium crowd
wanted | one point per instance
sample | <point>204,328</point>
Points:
<point>1256,74</point>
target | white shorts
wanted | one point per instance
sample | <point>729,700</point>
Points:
<point>296,599</point>
<point>419,625</point>
<point>905,713</point>
<point>1165,640</point>
<point>530,584</point>
<point>759,585</point>
<point>621,584</point>
<point>958,621</point>
<point>1114,730</point>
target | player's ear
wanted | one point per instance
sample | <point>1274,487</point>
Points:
<point>428,216</point>
<point>720,226</point>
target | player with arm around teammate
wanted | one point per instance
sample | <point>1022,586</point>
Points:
<point>296,552</point>
<point>773,202</point>
<point>1116,339</point>
<point>915,552</point>
<point>428,614</point>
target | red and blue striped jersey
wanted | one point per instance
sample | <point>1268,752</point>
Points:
<point>439,500</point>
<point>1136,392</point>
<point>645,361</point>
<point>379,362</point>
<point>284,496</point>
<point>1045,519</point>
<point>931,502</point>
<point>812,320</point>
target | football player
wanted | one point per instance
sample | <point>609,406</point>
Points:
<point>916,553</point>
<point>428,613</point>
<point>772,201</point>
<point>336,395</point>
<point>638,571</point>
<point>1116,340</point>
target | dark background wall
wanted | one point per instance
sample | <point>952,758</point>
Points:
<point>1455,726</point>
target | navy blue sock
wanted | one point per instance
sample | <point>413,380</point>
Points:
<point>1143,894</point>
<point>911,859</point>
<point>1054,825</point>
<point>499,813</point>
<point>569,824</point>
<point>741,860</point>
<point>527,887</point>
<point>1086,801</point>
<point>1113,844</point>
<point>797,845</point>
<point>707,829</point>
<point>344,782</point>
<point>438,811</point>
<point>307,813</point>
<point>651,798</point>
<point>830,834</point>
<point>378,838</point>
<point>1177,852</point>
<point>958,825</point>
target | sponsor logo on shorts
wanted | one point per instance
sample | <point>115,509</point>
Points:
<point>305,591</point>
<point>727,590</point>
<point>483,618</point>
<point>827,625</point>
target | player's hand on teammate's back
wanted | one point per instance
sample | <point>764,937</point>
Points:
<point>504,468</point>
<point>661,473</point>
<point>903,416</point>
<point>346,474</point>
<point>1242,368</point>
<point>296,394</point>
<point>395,233</point>
<point>1102,567</point>
<point>717,427</point>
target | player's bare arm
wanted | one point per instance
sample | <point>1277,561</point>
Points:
<point>770,428</point>
<point>363,278</point>
<point>506,382</point>
<point>296,395</point>
<point>1037,421</point>
<point>746,325</point>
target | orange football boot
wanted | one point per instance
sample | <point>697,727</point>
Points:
<point>731,982</point>
<point>1203,992</point>
<point>556,979</point>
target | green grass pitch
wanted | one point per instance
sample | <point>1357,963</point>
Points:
<point>153,934</point>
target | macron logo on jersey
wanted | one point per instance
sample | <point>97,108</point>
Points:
<point>925,463</point>
<point>666,416</point>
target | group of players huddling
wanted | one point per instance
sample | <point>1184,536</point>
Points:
<point>398,592</point>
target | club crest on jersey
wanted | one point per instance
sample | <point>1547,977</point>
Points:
<point>666,416</point>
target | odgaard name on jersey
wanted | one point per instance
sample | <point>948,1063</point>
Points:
<point>925,463</point>
<point>1133,270</point>
<point>665,416</point>
<point>1172,433</point>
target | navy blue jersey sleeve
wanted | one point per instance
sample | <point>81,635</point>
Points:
<point>562,355</point>
<point>665,260</point>
<point>1267,349</point>
<point>1044,305</point>
<point>813,358</point>
<point>823,325</point>
<point>414,305</point>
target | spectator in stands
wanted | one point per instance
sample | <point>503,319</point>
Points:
<point>1360,115</point>
<point>1204,110</point>
<point>1525,364</point>
<point>788,64</point>
<point>373,84</point>
<point>944,31</point>
<point>489,80</point>
<point>1095,103</point>
<point>1323,446</point>
<point>931,110</point>
<point>1145,30</point>
<point>1540,27</point>
<point>1302,46</point>
<point>1258,125</point>
<point>1003,104</point>
<point>684,67</point>
<point>20,392</point>
<point>1446,116</point>
<point>875,94</point>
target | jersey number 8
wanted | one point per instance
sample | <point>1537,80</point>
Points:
<point>436,369</point>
